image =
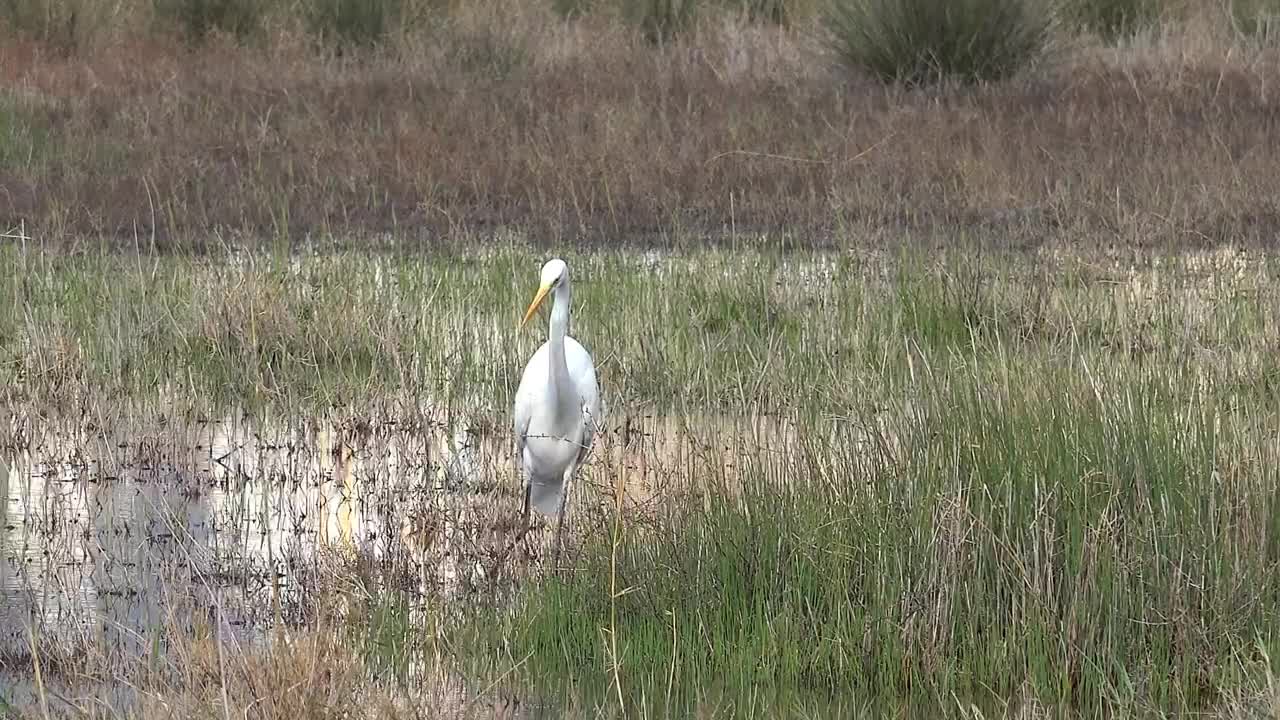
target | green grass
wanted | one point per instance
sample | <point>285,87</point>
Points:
<point>24,142</point>
<point>1021,481</point>
<point>1072,531</point>
<point>706,331</point>
<point>1112,20</point>
<point>305,339</point>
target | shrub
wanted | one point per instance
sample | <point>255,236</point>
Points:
<point>60,24</point>
<point>660,20</point>
<point>362,23</point>
<point>780,12</point>
<point>1111,19</point>
<point>1256,18</point>
<point>24,136</point>
<point>198,18</point>
<point>925,41</point>
<point>572,8</point>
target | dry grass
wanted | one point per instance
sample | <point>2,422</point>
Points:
<point>501,113</point>
<point>319,671</point>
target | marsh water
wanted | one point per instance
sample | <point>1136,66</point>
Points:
<point>107,535</point>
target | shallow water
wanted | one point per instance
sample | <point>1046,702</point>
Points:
<point>106,536</point>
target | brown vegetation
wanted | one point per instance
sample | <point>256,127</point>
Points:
<point>504,114</point>
<point>315,672</point>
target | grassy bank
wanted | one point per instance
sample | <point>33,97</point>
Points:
<point>494,115</point>
<point>711,331</point>
<point>1030,483</point>
<point>1044,537</point>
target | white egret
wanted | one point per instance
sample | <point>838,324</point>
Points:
<point>557,408</point>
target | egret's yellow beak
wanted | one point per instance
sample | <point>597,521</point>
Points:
<point>537,302</point>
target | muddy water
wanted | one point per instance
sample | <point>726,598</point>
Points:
<point>106,537</point>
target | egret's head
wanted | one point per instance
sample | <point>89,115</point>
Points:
<point>554,273</point>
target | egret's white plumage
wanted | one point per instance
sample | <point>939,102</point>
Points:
<point>557,407</point>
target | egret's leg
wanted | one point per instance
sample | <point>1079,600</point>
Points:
<point>520,534</point>
<point>524,514</point>
<point>524,510</point>
<point>560,513</point>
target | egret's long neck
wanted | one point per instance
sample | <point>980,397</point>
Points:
<point>559,370</point>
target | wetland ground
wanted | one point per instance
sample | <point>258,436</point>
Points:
<point>947,401</point>
<point>1006,483</point>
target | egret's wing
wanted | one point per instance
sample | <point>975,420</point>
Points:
<point>593,406</point>
<point>593,415</point>
<point>583,371</point>
<point>520,424</point>
<point>526,396</point>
